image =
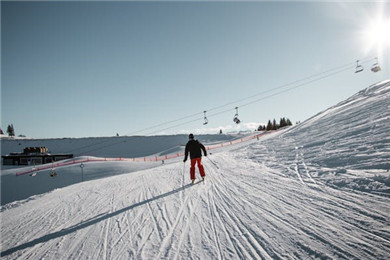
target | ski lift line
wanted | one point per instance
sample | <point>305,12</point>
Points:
<point>87,146</point>
<point>123,141</point>
<point>339,70</point>
<point>252,102</point>
<point>295,87</point>
<point>366,60</point>
<point>170,127</point>
<point>165,123</point>
<point>142,130</point>
<point>344,67</point>
<point>282,91</point>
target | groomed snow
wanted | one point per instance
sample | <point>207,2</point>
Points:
<point>319,190</point>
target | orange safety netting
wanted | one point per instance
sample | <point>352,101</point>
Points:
<point>138,159</point>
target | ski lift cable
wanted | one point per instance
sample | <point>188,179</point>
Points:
<point>346,66</point>
<point>243,99</point>
<point>249,103</point>
<point>98,145</point>
<point>174,126</point>
<point>336,69</point>
<point>165,123</point>
<point>300,85</point>
<point>285,90</point>
<point>316,77</point>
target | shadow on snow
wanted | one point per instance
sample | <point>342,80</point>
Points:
<point>89,222</point>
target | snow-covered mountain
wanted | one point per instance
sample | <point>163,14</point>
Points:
<point>319,190</point>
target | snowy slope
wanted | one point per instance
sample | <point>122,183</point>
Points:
<point>20,188</point>
<point>342,143</point>
<point>123,146</point>
<point>267,199</point>
<point>352,134</point>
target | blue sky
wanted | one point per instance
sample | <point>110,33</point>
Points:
<point>77,69</point>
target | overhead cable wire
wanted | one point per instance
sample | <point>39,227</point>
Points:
<point>314,78</point>
<point>345,66</point>
<point>337,69</point>
<point>164,123</point>
<point>294,87</point>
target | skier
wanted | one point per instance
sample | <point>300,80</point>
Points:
<point>194,147</point>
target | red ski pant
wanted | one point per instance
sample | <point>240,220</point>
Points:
<point>200,166</point>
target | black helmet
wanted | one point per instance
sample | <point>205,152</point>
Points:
<point>191,136</point>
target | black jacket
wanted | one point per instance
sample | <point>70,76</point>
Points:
<point>194,147</point>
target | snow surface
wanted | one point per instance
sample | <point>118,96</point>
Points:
<point>319,190</point>
<point>13,189</point>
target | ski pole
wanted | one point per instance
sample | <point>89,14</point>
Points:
<point>216,166</point>
<point>184,171</point>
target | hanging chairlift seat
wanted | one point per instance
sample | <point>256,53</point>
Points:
<point>236,120</point>
<point>359,68</point>
<point>375,67</point>
<point>206,121</point>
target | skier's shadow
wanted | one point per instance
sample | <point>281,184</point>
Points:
<point>89,222</point>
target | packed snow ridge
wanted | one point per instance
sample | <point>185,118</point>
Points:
<point>319,190</point>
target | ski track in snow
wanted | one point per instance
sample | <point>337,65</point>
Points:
<point>275,198</point>
<point>250,212</point>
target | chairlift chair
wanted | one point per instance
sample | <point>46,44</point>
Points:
<point>235,118</point>
<point>375,67</point>
<point>359,68</point>
<point>206,121</point>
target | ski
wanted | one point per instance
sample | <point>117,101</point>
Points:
<point>197,181</point>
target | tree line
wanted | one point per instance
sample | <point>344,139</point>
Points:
<point>273,125</point>
<point>10,130</point>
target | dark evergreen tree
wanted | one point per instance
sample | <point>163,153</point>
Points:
<point>1,131</point>
<point>269,125</point>
<point>282,122</point>
<point>10,130</point>
<point>274,125</point>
